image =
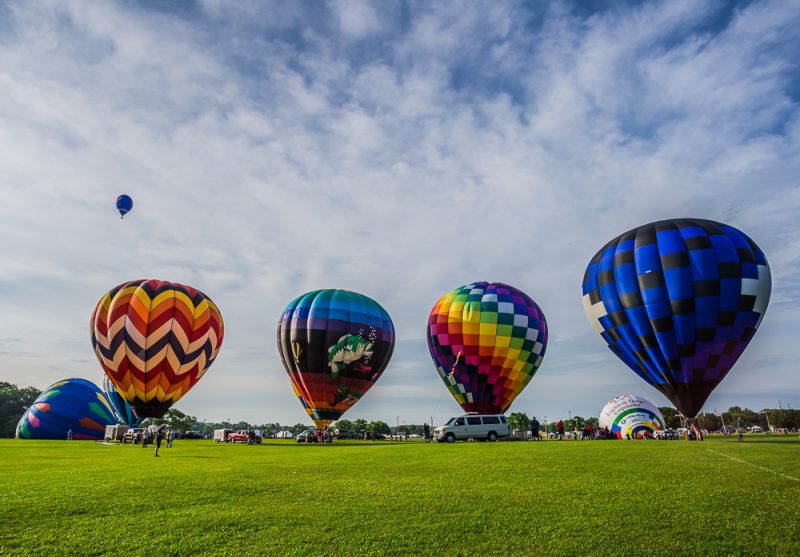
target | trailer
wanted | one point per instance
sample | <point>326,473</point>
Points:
<point>221,435</point>
<point>115,432</point>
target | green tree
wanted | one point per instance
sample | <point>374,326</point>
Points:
<point>594,422</point>
<point>379,427</point>
<point>14,401</point>
<point>519,421</point>
<point>359,425</point>
<point>708,421</point>
<point>672,419</point>
<point>177,420</point>
<point>344,424</point>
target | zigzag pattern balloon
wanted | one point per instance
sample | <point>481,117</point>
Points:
<point>155,340</point>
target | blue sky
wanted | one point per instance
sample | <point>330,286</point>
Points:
<point>395,149</point>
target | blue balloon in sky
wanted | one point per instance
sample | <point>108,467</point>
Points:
<point>678,301</point>
<point>72,404</point>
<point>124,204</point>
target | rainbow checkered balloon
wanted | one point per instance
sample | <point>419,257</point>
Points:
<point>487,339</point>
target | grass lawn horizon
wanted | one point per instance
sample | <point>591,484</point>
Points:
<point>718,497</point>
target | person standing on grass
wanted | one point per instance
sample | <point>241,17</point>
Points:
<point>426,431</point>
<point>170,437</point>
<point>535,429</point>
<point>158,438</point>
<point>560,429</point>
<point>69,435</point>
<point>145,437</point>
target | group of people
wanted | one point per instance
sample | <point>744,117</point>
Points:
<point>155,435</point>
<point>323,436</point>
<point>587,432</point>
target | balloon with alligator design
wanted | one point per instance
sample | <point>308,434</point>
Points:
<point>487,341</point>
<point>155,340</point>
<point>75,405</point>
<point>334,344</point>
<point>678,301</point>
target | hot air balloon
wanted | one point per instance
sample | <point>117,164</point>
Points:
<point>124,204</point>
<point>678,301</point>
<point>334,345</point>
<point>629,417</point>
<point>121,407</point>
<point>72,404</point>
<point>487,340</point>
<point>155,340</point>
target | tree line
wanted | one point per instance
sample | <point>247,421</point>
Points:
<point>14,401</point>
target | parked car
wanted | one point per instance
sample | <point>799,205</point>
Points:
<point>345,434</point>
<point>307,436</point>
<point>489,427</point>
<point>192,435</point>
<point>243,436</point>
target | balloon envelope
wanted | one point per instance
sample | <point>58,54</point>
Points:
<point>678,301</point>
<point>629,417</point>
<point>72,404</point>
<point>334,345</point>
<point>487,341</point>
<point>155,340</point>
<point>124,204</point>
<point>121,406</point>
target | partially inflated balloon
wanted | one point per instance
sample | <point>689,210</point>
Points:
<point>121,406</point>
<point>487,341</point>
<point>678,301</point>
<point>71,404</point>
<point>334,345</point>
<point>124,204</point>
<point>155,340</point>
<point>629,417</point>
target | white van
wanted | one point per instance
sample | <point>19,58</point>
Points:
<point>473,426</point>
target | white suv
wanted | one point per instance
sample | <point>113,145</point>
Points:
<point>473,426</point>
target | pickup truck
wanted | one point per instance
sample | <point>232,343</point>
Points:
<point>241,436</point>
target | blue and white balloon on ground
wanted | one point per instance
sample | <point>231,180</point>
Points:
<point>75,405</point>
<point>631,417</point>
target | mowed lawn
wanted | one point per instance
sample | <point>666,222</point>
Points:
<point>361,498</point>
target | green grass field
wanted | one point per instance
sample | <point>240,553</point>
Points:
<point>354,498</point>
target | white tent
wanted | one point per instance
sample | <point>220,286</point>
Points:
<point>285,434</point>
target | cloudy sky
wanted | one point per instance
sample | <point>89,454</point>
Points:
<point>398,149</point>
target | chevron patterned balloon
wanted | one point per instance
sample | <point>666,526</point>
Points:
<point>155,340</point>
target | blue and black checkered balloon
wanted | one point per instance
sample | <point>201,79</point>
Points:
<point>678,301</point>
